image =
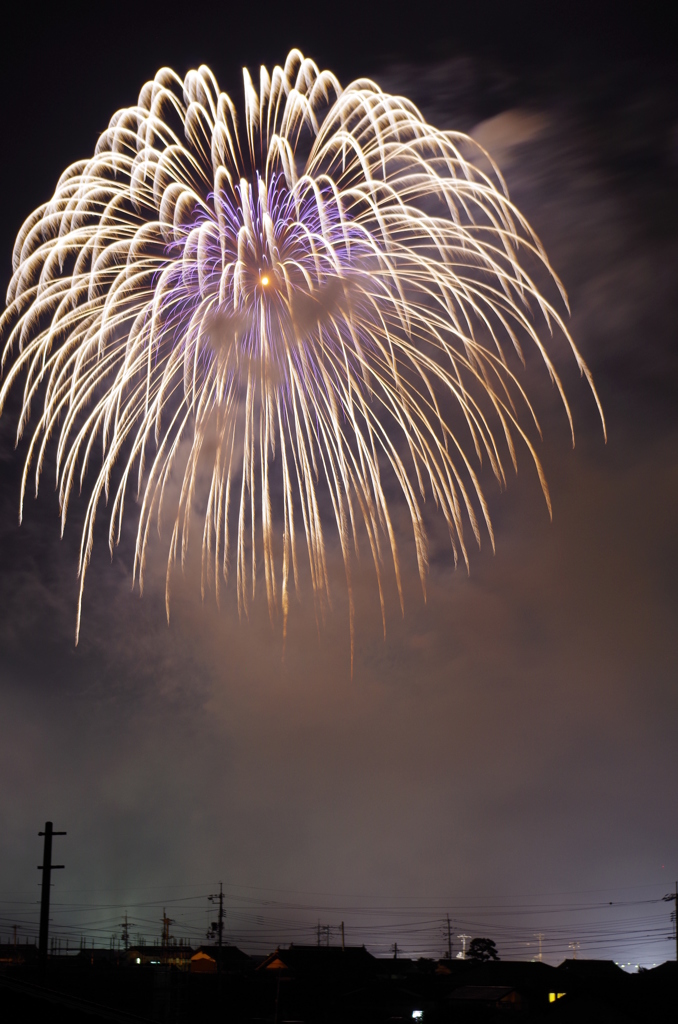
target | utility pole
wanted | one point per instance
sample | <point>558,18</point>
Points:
<point>125,933</point>
<point>219,898</point>
<point>46,867</point>
<point>449,938</point>
<point>672,897</point>
<point>221,919</point>
<point>166,922</point>
<point>574,946</point>
<point>220,935</point>
<point>540,936</point>
<point>464,940</point>
<point>343,947</point>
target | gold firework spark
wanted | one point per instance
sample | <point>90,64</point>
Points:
<point>305,305</point>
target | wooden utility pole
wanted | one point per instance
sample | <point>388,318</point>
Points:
<point>449,938</point>
<point>46,867</point>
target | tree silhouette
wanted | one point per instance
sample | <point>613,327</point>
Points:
<point>482,949</point>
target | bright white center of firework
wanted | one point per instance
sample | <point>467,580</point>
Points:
<point>264,280</point>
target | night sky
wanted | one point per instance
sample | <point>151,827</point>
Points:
<point>508,754</point>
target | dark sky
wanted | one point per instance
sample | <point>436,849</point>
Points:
<point>508,754</point>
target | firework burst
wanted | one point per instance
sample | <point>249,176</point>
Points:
<point>286,311</point>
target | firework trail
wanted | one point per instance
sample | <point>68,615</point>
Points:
<point>300,305</point>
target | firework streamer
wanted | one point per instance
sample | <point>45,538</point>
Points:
<point>295,306</point>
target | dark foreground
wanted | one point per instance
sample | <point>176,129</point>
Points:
<point>326,985</point>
